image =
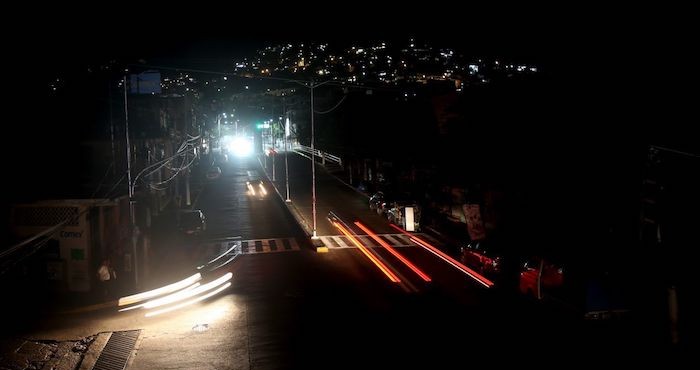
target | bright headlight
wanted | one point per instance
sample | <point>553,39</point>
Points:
<point>240,147</point>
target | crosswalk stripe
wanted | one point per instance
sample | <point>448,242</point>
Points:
<point>294,244</point>
<point>330,242</point>
<point>394,240</point>
<point>341,241</point>
<point>386,239</point>
<point>253,246</point>
<point>404,238</point>
<point>366,240</point>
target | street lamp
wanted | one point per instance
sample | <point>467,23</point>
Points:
<point>311,85</point>
<point>273,152</point>
<point>132,213</point>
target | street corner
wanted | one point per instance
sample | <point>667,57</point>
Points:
<point>18,353</point>
<point>319,246</point>
<point>94,351</point>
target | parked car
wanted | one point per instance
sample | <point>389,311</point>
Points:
<point>594,293</point>
<point>214,173</point>
<point>484,257</point>
<point>191,222</point>
<point>539,277</point>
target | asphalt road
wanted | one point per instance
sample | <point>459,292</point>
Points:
<point>291,307</point>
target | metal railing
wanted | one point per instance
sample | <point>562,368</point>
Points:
<point>318,153</point>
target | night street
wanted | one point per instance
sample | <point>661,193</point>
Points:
<point>357,194</point>
<point>298,308</point>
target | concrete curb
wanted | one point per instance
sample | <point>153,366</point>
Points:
<point>94,351</point>
<point>317,244</point>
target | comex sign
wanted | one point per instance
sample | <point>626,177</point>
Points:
<point>74,247</point>
<point>71,234</point>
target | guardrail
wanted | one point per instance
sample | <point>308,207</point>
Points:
<point>318,153</point>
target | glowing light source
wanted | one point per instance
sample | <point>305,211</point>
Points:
<point>393,251</point>
<point>193,286</point>
<point>466,270</point>
<point>369,255</point>
<point>240,147</point>
<point>123,301</point>
<point>192,301</point>
<point>182,295</point>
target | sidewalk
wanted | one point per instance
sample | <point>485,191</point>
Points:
<point>333,172</point>
<point>442,230</point>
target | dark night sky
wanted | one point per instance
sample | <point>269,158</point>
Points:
<point>609,66</point>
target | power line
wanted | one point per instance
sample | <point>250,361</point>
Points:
<point>675,151</point>
<point>332,109</point>
<point>101,181</point>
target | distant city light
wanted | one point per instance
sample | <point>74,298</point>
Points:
<point>225,78</point>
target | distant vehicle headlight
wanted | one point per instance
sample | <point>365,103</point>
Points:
<point>240,147</point>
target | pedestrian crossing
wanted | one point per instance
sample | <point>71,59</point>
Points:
<point>251,246</point>
<point>269,245</point>
<point>232,246</point>
<point>394,240</point>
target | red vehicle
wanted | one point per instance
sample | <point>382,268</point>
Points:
<point>484,257</point>
<point>539,277</point>
<point>596,294</point>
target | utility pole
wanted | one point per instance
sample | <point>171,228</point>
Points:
<point>273,153</point>
<point>132,214</point>
<point>313,165</point>
<point>111,129</point>
<point>219,124</point>
<point>311,85</point>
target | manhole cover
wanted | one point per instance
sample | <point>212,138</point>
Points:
<point>200,328</point>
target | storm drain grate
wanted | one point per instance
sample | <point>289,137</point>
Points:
<point>117,350</point>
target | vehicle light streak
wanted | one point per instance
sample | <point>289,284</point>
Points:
<point>369,255</point>
<point>182,295</point>
<point>123,301</point>
<point>191,301</point>
<point>251,189</point>
<point>223,254</point>
<point>195,285</point>
<point>393,251</point>
<point>466,270</point>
